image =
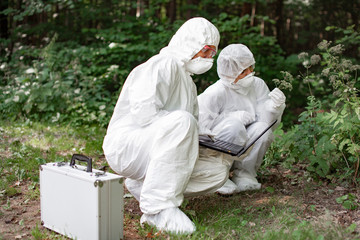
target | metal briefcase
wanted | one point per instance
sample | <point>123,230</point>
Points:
<point>81,202</point>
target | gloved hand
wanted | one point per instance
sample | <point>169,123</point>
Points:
<point>278,97</point>
<point>205,131</point>
<point>243,116</point>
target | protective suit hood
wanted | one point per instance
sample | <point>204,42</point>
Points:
<point>232,60</point>
<point>191,37</point>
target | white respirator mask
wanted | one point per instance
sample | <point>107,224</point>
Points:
<point>199,65</point>
<point>245,82</point>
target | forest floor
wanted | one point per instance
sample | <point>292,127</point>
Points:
<point>20,214</point>
<point>288,198</point>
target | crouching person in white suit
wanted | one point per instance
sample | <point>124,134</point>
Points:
<point>237,108</point>
<point>152,137</point>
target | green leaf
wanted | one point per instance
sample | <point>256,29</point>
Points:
<point>28,107</point>
<point>343,143</point>
<point>270,189</point>
<point>341,199</point>
<point>42,106</point>
<point>347,204</point>
<point>47,92</point>
<point>351,228</point>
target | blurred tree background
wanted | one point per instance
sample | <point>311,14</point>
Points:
<point>95,43</point>
<point>66,60</point>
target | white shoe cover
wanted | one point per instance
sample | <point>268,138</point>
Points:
<point>134,187</point>
<point>170,220</point>
<point>245,184</point>
<point>228,188</point>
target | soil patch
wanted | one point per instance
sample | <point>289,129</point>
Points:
<point>20,214</point>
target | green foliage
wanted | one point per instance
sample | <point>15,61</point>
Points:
<point>73,83</point>
<point>328,137</point>
<point>350,39</point>
<point>62,84</point>
<point>348,201</point>
<point>80,84</point>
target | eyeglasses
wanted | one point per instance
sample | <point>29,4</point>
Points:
<point>206,49</point>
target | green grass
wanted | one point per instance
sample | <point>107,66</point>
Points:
<point>239,217</point>
<point>271,220</point>
<point>251,215</point>
<point>25,146</point>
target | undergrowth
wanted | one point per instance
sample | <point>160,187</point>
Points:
<point>327,136</point>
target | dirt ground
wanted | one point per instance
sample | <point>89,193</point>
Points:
<point>19,215</point>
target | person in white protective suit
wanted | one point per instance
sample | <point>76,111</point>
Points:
<point>237,108</point>
<point>152,137</point>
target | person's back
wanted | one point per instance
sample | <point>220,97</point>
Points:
<point>152,137</point>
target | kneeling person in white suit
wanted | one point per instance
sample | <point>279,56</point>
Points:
<point>152,137</point>
<point>237,108</point>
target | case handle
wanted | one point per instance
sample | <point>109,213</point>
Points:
<point>82,158</point>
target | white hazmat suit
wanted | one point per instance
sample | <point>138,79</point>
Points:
<point>238,112</point>
<point>152,137</point>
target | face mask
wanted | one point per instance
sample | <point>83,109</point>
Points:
<point>246,81</point>
<point>199,65</point>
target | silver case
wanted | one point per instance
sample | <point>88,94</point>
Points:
<point>80,204</point>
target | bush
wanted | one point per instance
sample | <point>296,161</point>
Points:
<point>327,138</point>
<point>65,81</point>
<point>73,83</point>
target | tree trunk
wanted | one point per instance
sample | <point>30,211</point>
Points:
<point>246,9</point>
<point>4,31</point>
<point>171,10</point>
<point>132,9</point>
<point>252,18</point>
<point>188,11</point>
<point>279,4</point>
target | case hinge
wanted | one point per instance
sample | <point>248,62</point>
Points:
<point>98,183</point>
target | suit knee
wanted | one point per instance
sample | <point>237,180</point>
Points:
<point>183,118</point>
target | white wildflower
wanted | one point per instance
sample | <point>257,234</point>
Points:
<point>16,98</point>
<point>3,66</point>
<point>303,55</point>
<point>324,45</point>
<point>102,107</point>
<point>325,72</point>
<point>56,118</point>
<point>30,70</point>
<point>306,64</point>
<point>338,49</point>
<point>112,45</point>
<point>315,59</point>
<point>113,67</point>
<point>77,91</point>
